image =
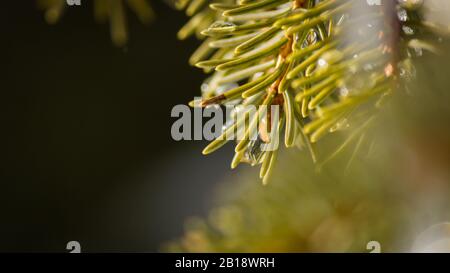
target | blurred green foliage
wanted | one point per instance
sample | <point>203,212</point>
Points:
<point>395,187</point>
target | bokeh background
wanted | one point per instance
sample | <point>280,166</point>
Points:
<point>85,150</point>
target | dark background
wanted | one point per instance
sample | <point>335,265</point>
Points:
<point>85,147</point>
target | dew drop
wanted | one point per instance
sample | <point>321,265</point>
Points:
<point>402,15</point>
<point>343,91</point>
<point>225,87</point>
<point>221,24</point>
<point>254,153</point>
<point>340,125</point>
<point>322,62</point>
<point>204,87</point>
<point>418,51</point>
<point>408,30</point>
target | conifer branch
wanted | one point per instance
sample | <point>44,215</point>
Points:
<point>327,63</point>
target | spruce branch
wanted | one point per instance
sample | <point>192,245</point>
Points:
<point>328,64</point>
